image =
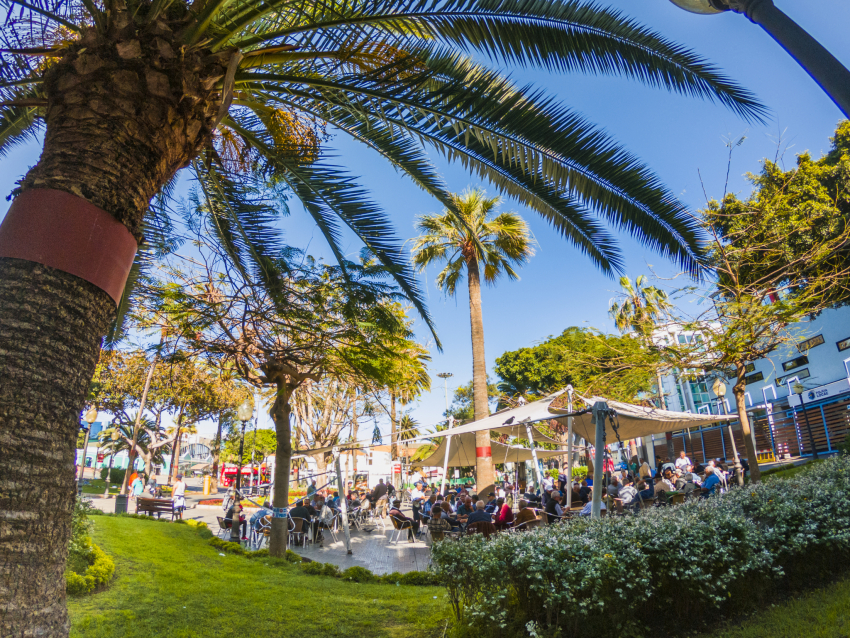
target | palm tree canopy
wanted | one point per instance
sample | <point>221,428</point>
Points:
<point>399,76</point>
<point>472,235</point>
<point>408,428</point>
<point>640,305</point>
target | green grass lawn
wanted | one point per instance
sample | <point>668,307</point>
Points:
<point>824,613</point>
<point>96,486</point>
<point>170,582</point>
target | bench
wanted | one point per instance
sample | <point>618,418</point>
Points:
<point>158,506</point>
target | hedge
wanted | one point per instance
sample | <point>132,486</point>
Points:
<point>88,567</point>
<point>667,568</point>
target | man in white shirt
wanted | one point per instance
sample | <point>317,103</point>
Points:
<point>683,462</point>
<point>178,494</point>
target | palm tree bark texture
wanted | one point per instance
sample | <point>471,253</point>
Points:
<point>125,112</point>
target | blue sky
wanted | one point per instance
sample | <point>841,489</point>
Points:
<point>678,137</point>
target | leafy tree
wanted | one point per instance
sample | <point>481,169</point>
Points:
<point>469,238</point>
<point>129,92</point>
<point>616,367</point>
<point>798,217</point>
<point>463,402</point>
<point>317,321</point>
<point>259,443</point>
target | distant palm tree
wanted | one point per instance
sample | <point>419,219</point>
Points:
<point>638,308</point>
<point>407,428</point>
<point>467,240</point>
<point>125,441</point>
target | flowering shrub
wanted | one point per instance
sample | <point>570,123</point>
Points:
<point>672,566</point>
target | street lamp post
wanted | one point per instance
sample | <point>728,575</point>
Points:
<point>445,377</point>
<point>114,436</point>
<point>832,76</point>
<point>798,390</point>
<point>719,389</point>
<point>243,414</point>
<point>89,418</point>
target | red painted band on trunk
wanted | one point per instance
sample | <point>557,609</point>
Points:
<point>63,231</point>
<point>483,452</point>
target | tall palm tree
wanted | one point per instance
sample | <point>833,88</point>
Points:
<point>467,240</point>
<point>241,92</point>
<point>408,428</point>
<point>638,309</point>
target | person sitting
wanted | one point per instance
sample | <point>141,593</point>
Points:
<point>447,514</point>
<point>258,516</point>
<point>235,514</point>
<point>428,506</point>
<point>490,507</point>
<point>644,472</point>
<point>745,466</point>
<point>629,495</point>
<point>479,515</point>
<point>712,480</point>
<point>584,493</point>
<point>465,508</point>
<point>554,513</point>
<point>525,515</point>
<point>614,487</point>
<point>576,496</point>
<point>505,515</point>
<point>683,462</point>
<point>438,525</point>
<point>587,509</point>
<point>403,521</point>
<point>645,491</point>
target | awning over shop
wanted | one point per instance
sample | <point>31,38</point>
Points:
<point>636,420</point>
<point>462,452</point>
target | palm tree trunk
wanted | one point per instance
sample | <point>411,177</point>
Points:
<point>739,391</point>
<point>131,454</point>
<point>279,535</point>
<point>483,452</point>
<point>393,429</point>
<point>51,324</point>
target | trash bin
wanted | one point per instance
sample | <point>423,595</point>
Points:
<point>121,504</point>
<point>207,485</point>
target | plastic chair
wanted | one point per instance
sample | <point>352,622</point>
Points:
<point>261,532</point>
<point>400,526</point>
<point>298,531</point>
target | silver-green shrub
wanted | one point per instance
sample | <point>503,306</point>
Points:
<point>678,564</point>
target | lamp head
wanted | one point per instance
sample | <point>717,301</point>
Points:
<point>444,375</point>
<point>90,416</point>
<point>798,388</point>
<point>245,411</point>
<point>719,388</point>
<point>705,7</point>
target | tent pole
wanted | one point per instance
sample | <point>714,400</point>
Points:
<point>534,455</point>
<point>343,503</point>
<point>569,448</point>
<point>446,460</point>
<point>600,410</point>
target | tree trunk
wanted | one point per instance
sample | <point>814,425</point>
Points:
<point>739,391</point>
<point>51,324</point>
<point>393,429</point>
<point>216,453</point>
<point>175,448</point>
<point>131,454</point>
<point>279,535</point>
<point>483,451</point>
<point>117,129</point>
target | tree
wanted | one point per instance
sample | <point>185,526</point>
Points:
<point>259,443</point>
<point>467,241</point>
<point>408,428</point>
<point>616,367</point>
<point>463,402</point>
<point>127,93</point>
<point>142,439</point>
<point>639,308</point>
<point>310,322</point>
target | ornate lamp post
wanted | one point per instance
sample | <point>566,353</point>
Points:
<point>243,413</point>
<point>90,417</point>
<point>114,436</point>
<point>832,76</point>
<point>798,390</point>
<point>719,389</point>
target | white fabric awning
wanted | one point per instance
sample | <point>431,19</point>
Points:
<point>462,452</point>
<point>636,420</point>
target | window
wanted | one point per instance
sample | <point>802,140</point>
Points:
<point>843,345</point>
<point>795,363</point>
<point>758,376</point>
<point>808,344</point>
<point>699,392</point>
<point>800,374</point>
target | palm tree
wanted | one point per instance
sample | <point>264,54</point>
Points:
<point>143,444</point>
<point>129,92</point>
<point>638,309</point>
<point>408,428</point>
<point>468,240</point>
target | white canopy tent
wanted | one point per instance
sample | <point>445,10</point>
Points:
<point>637,421</point>
<point>462,453</point>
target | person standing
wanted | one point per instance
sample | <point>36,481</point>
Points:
<point>311,489</point>
<point>137,487</point>
<point>178,495</point>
